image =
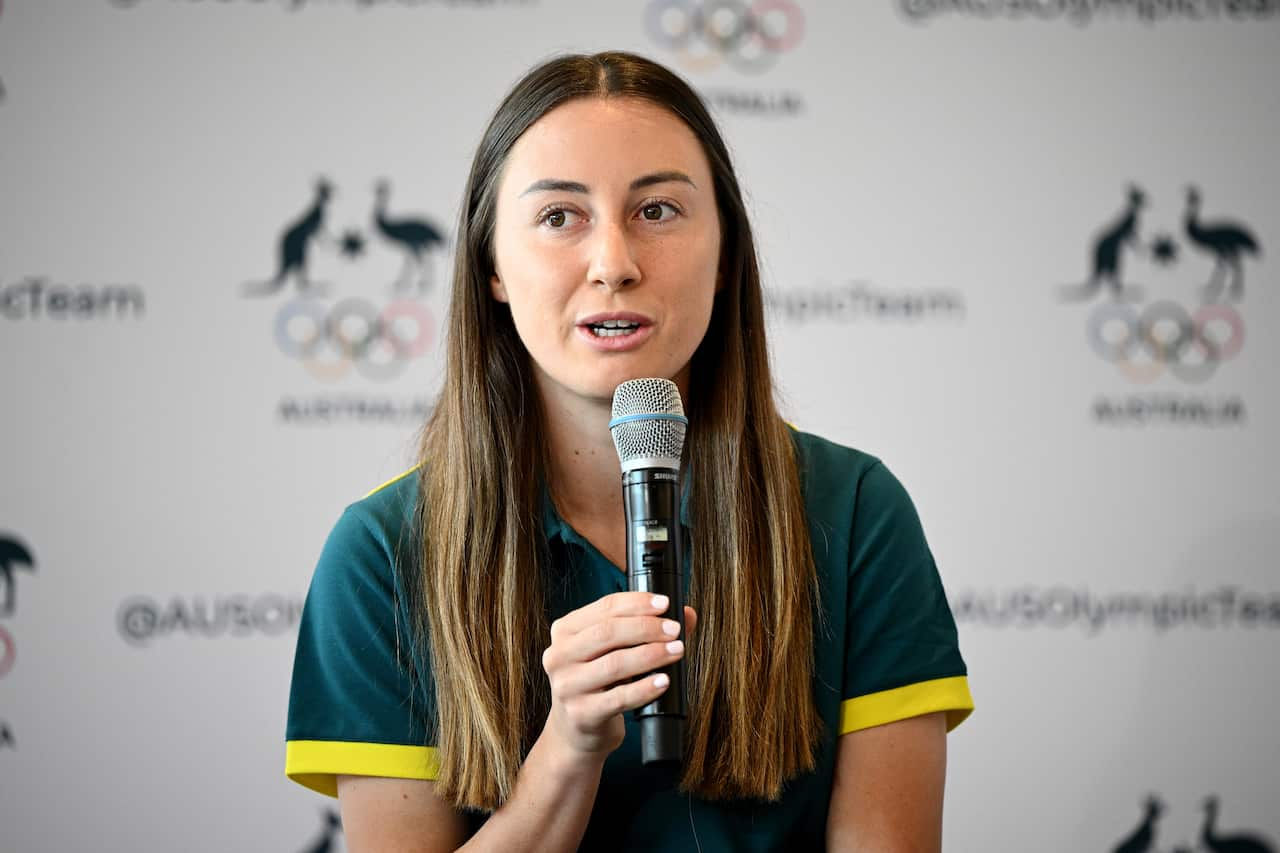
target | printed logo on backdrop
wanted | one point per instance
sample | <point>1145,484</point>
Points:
<point>329,839</point>
<point>15,557</point>
<point>6,737</point>
<point>1222,608</point>
<point>740,39</point>
<point>1085,12</point>
<point>1182,329</point>
<point>38,298</point>
<point>367,326</point>
<point>862,301</point>
<point>1144,837</point>
<point>142,620</point>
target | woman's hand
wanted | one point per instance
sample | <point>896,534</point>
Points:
<point>597,656</point>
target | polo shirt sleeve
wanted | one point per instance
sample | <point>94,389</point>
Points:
<point>902,652</point>
<point>353,706</point>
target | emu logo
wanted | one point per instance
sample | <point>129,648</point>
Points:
<point>1142,839</point>
<point>13,554</point>
<point>414,238</point>
<point>329,833</point>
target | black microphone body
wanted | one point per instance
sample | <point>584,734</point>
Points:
<point>655,564</point>
<point>648,426</point>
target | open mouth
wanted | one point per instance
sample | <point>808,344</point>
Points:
<point>613,328</point>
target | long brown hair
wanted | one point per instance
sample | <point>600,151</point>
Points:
<point>477,598</point>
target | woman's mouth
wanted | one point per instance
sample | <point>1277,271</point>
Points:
<point>613,328</point>
<point>616,331</point>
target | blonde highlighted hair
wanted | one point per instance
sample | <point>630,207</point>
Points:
<point>476,593</point>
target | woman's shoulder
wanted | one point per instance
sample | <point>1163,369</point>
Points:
<point>830,463</point>
<point>390,501</point>
<point>381,521</point>
<point>840,482</point>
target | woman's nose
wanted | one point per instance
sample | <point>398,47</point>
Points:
<point>613,263</point>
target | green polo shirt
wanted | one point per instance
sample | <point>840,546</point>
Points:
<point>888,651</point>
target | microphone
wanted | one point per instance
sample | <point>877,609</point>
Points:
<point>648,426</point>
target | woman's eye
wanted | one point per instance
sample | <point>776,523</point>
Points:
<point>653,212</point>
<point>557,218</point>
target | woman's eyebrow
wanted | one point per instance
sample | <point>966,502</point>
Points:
<point>555,185</point>
<point>662,178</point>
<point>559,185</point>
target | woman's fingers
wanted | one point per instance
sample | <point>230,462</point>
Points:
<point>615,604</point>
<point>615,667</point>
<point>609,703</point>
<point>602,637</point>
<point>620,632</point>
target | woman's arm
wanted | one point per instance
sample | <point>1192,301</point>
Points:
<point>887,795</point>
<point>548,809</point>
<point>397,814</point>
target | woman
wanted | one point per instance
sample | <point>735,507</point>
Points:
<point>468,651</point>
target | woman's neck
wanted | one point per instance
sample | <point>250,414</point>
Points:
<point>584,474</point>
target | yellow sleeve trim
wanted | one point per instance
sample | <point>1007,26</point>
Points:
<point>393,481</point>
<point>317,763</point>
<point>923,697</point>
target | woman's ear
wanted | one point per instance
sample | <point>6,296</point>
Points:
<point>495,287</point>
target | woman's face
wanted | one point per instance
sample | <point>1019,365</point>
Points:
<point>607,245</point>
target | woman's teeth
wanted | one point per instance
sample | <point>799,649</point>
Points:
<point>612,328</point>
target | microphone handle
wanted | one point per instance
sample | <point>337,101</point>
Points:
<point>655,563</point>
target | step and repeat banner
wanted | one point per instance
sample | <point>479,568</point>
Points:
<point>1022,250</point>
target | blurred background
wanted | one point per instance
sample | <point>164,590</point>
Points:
<point>1021,250</point>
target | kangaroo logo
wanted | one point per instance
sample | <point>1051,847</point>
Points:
<point>1108,252</point>
<point>329,832</point>
<point>1142,839</point>
<point>13,554</point>
<point>6,737</point>
<point>296,243</point>
<point>1146,340</point>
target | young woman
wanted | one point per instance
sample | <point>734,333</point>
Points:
<point>468,652</point>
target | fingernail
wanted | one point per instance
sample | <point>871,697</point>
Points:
<point>661,680</point>
<point>660,602</point>
<point>675,647</point>
<point>670,627</point>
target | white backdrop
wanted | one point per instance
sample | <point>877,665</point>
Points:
<point>926,178</point>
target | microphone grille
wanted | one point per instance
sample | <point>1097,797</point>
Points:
<point>648,424</point>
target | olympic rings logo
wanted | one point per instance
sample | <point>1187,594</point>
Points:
<point>329,341</point>
<point>703,34</point>
<point>1165,335</point>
